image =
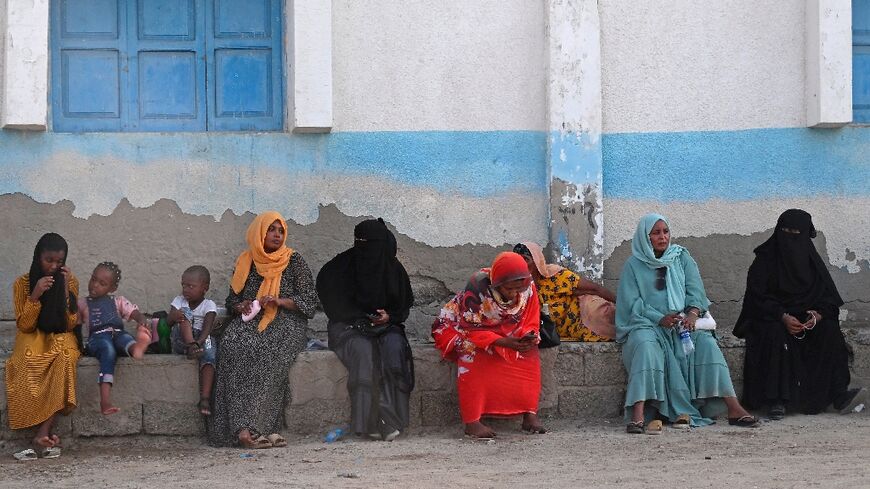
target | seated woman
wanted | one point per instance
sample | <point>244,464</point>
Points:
<point>796,356</point>
<point>581,309</point>
<point>490,330</point>
<point>256,354</point>
<point>41,373</point>
<point>659,289</point>
<point>367,295</point>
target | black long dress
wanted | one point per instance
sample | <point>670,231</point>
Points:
<point>806,372</point>
<point>352,285</point>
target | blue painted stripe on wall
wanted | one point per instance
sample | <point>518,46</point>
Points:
<point>737,165</point>
<point>480,164</point>
<point>575,158</point>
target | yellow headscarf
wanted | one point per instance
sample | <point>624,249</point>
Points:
<point>269,265</point>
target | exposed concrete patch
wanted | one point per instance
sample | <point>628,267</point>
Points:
<point>577,227</point>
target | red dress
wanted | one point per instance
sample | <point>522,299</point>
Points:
<point>492,380</point>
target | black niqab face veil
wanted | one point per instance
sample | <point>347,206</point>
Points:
<point>374,251</point>
<point>801,275</point>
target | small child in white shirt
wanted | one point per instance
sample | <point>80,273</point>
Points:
<point>192,317</point>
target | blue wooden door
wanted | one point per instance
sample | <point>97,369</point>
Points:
<point>166,65</point>
<point>861,61</point>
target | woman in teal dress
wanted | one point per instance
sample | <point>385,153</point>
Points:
<point>660,286</point>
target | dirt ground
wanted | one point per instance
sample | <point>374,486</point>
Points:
<point>827,450</point>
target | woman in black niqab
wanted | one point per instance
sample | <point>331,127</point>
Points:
<point>796,356</point>
<point>366,294</point>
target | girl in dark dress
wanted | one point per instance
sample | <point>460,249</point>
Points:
<point>366,294</point>
<point>796,355</point>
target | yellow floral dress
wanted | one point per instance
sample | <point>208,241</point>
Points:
<point>558,293</point>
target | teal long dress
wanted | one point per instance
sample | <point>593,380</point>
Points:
<point>659,372</point>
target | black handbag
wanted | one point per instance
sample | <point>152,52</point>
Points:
<point>549,337</point>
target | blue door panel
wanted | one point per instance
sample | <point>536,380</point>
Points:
<point>167,84</point>
<point>242,18</point>
<point>861,84</point>
<point>166,20</point>
<point>861,22</point>
<point>92,83</point>
<point>244,82</point>
<point>90,19</point>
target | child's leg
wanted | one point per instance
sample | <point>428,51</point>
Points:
<point>186,332</point>
<point>134,347</point>
<point>101,346</point>
<point>206,379</point>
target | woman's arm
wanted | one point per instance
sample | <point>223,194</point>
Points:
<point>236,304</point>
<point>26,309</point>
<point>399,316</point>
<point>588,287</point>
<point>303,295</point>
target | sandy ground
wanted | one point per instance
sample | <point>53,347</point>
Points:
<point>827,450</point>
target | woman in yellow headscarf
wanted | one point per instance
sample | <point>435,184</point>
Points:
<point>271,298</point>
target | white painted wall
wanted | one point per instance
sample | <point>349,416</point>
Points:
<point>26,65</point>
<point>829,63</point>
<point>689,65</point>
<point>415,65</point>
<point>2,54</point>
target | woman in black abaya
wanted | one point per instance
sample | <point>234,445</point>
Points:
<point>796,355</point>
<point>366,294</point>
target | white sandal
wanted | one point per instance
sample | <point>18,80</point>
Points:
<point>50,452</point>
<point>26,454</point>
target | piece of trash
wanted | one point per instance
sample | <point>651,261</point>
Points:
<point>309,461</point>
<point>858,408</point>
<point>316,345</point>
<point>348,475</point>
<point>708,458</point>
<point>490,442</point>
<point>246,455</point>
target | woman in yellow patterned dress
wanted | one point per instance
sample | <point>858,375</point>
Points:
<point>581,309</point>
<point>41,373</point>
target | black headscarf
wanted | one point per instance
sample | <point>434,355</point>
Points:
<point>55,301</point>
<point>788,275</point>
<point>365,278</point>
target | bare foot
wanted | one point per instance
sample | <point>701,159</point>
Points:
<point>143,339</point>
<point>107,408</point>
<point>479,430</point>
<point>55,440</point>
<point>532,423</point>
<point>43,441</point>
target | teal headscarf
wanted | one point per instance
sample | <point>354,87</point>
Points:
<point>642,249</point>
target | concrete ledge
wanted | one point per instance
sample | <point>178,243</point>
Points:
<point>158,394</point>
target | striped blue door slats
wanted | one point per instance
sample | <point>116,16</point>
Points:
<point>861,61</point>
<point>166,65</point>
<point>244,70</point>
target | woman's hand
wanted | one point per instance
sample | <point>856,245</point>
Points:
<point>41,286</point>
<point>285,302</point>
<point>669,320</point>
<point>521,345</point>
<point>243,307</point>
<point>792,324</point>
<point>690,318</point>
<point>382,318</point>
<point>66,273</point>
<point>813,318</point>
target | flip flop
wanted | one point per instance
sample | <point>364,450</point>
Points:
<point>259,442</point>
<point>747,421</point>
<point>50,452</point>
<point>277,440</point>
<point>683,422</point>
<point>654,427</point>
<point>26,454</point>
<point>634,428</point>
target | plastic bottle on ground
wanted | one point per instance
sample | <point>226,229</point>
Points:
<point>334,435</point>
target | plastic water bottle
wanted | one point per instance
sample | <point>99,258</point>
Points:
<point>334,435</point>
<point>686,340</point>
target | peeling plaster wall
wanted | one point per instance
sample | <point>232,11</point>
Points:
<point>704,114</point>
